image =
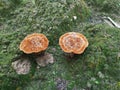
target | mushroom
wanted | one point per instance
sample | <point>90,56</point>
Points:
<point>34,43</point>
<point>73,43</point>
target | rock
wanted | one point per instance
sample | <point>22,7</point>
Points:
<point>61,84</point>
<point>22,65</point>
<point>45,59</point>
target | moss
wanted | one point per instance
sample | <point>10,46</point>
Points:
<point>112,6</point>
<point>106,5</point>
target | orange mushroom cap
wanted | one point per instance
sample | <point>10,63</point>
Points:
<point>34,43</point>
<point>73,42</point>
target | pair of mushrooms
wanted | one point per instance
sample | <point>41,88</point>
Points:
<point>71,42</point>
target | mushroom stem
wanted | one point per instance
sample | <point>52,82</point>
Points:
<point>70,55</point>
<point>34,55</point>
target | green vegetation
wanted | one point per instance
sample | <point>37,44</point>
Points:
<point>108,6</point>
<point>98,68</point>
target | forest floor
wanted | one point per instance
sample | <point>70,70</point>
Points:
<point>98,68</point>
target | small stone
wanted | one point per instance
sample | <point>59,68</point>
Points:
<point>53,49</point>
<point>74,17</point>
<point>22,66</point>
<point>45,59</point>
<point>61,84</point>
<point>38,67</point>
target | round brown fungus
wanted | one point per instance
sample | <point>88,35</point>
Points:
<point>73,42</point>
<point>34,43</point>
